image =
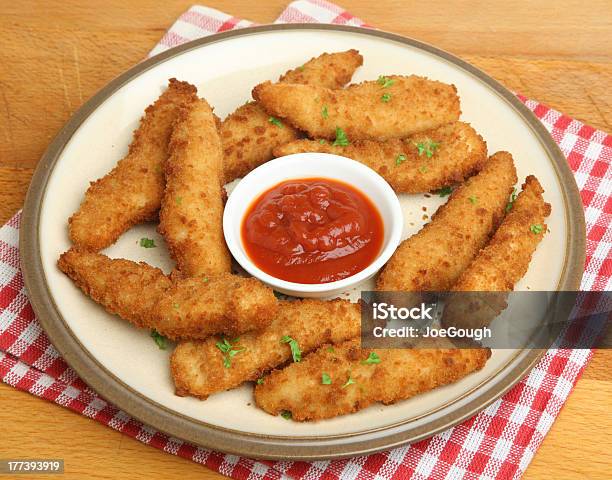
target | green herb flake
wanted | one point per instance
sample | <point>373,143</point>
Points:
<point>444,192</point>
<point>275,121</point>
<point>372,359</point>
<point>301,68</point>
<point>160,340</point>
<point>385,81</point>
<point>205,280</point>
<point>536,229</point>
<point>175,306</point>
<point>260,381</point>
<point>331,350</point>
<point>350,381</point>
<point>428,147</point>
<point>386,97</point>
<point>341,138</point>
<point>286,414</point>
<point>178,200</point>
<point>322,141</point>
<point>229,350</point>
<point>147,243</point>
<point>423,168</point>
<point>225,345</point>
<point>473,199</point>
<point>325,379</point>
<point>296,353</point>
<point>510,204</point>
<point>401,158</point>
<point>324,112</point>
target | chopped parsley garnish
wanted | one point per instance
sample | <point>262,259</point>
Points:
<point>401,158</point>
<point>275,121</point>
<point>260,381</point>
<point>385,97</point>
<point>331,350</point>
<point>341,138</point>
<point>325,379</point>
<point>147,242</point>
<point>473,199</point>
<point>301,68</point>
<point>229,350</point>
<point>372,359</point>
<point>286,414</point>
<point>322,141</point>
<point>511,202</point>
<point>178,200</point>
<point>537,228</point>
<point>175,306</point>
<point>160,340</point>
<point>205,279</point>
<point>444,192</point>
<point>324,112</point>
<point>296,353</point>
<point>428,147</point>
<point>385,81</point>
<point>422,168</point>
<point>350,381</point>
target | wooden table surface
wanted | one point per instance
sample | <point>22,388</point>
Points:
<point>55,54</point>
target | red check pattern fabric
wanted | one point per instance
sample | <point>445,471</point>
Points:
<point>499,442</point>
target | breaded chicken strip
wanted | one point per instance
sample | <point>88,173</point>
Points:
<point>181,308</point>
<point>456,151</point>
<point>131,193</point>
<point>329,70</point>
<point>434,258</point>
<point>200,368</point>
<point>192,207</point>
<point>502,263</point>
<point>123,287</point>
<point>248,134</point>
<point>248,137</point>
<point>393,107</point>
<point>199,307</point>
<point>505,259</point>
<point>344,378</point>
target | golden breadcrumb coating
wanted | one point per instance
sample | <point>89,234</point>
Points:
<point>501,263</point>
<point>249,137</point>
<point>415,104</point>
<point>198,368</point>
<point>123,287</point>
<point>505,259</point>
<point>178,308</point>
<point>198,307</point>
<point>131,193</point>
<point>192,207</point>
<point>434,258</point>
<point>329,70</point>
<point>460,152</point>
<point>353,384</point>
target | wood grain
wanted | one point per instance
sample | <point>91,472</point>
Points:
<point>56,54</point>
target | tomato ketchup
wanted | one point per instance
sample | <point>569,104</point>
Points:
<point>312,230</point>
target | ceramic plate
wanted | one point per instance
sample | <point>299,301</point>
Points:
<point>124,364</point>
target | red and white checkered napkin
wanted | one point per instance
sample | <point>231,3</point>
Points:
<point>499,442</point>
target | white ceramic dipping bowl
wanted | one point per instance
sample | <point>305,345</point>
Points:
<point>312,165</point>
